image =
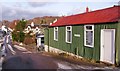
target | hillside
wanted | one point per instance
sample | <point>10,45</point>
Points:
<point>5,22</point>
<point>42,20</point>
<point>0,24</point>
<point>36,20</point>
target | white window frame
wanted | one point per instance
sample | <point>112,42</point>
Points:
<point>85,35</point>
<point>67,35</point>
<point>56,39</point>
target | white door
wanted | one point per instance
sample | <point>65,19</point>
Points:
<point>108,45</point>
<point>38,42</point>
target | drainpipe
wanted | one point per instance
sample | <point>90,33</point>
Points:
<point>48,39</point>
<point>77,51</point>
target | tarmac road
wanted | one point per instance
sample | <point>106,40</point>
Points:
<point>28,61</point>
<point>24,60</point>
<point>39,62</point>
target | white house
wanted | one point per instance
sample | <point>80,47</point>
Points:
<point>4,28</point>
<point>32,27</point>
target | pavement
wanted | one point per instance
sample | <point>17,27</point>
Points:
<point>20,48</point>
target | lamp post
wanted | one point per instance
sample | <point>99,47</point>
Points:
<point>48,39</point>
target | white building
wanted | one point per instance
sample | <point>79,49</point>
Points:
<point>4,28</point>
<point>40,40</point>
<point>35,28</point>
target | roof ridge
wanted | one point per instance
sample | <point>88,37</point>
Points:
<point>94,11</point>
<point>98,16</point>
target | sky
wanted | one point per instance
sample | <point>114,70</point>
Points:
<point>28,9</point>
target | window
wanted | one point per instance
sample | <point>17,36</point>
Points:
<point>68,34</point>
<point>29,28</point>
<point>89,35</point>
<point>42,40</point>
<point>36,28</point>
<point>56,33</point>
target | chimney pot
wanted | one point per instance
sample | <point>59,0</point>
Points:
<point>87,10</point>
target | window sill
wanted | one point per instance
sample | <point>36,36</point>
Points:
<point>55,40</point>
<point>68,42</point>
<point>89,46</point>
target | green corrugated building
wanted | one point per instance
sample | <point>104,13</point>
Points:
<point>93,35</point>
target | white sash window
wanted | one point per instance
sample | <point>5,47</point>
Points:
<point>56,33</point>
<point>89,35</point>
<point>69,34</point>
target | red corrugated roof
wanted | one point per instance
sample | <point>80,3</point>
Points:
<point>93,17</point>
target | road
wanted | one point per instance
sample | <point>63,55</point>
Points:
<point>28,60</point>
<point>24,59</point>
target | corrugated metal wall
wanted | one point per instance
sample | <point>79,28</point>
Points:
<point>77,45</point>
<point>46,37</point>
<point>118,45</point>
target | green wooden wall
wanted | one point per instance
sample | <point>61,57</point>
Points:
<point>118,45</point>
<point>78,42</point>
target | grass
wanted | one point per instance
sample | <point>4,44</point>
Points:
<point>75,60</point>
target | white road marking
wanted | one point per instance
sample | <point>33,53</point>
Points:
<point>20,48</point>
<point>1,61</point>
<point>63,66</point>
<point>27,52</point>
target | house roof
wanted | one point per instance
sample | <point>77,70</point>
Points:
<point>35,25</point>
<point>13,24</point>
<point>0,24</point>
<point>93,17</point>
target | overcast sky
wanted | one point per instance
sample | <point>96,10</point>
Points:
<point>17,9</point>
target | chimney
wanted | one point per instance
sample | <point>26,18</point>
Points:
<point>87,9</point>
<point>15,23</point>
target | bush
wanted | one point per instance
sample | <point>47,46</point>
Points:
<point>21,36</point>
<point>18,36</point>
<point>29,40</point>
<point>14,36</point>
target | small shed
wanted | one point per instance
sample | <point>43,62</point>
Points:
<point>93,35</point>
<point>40,40</point>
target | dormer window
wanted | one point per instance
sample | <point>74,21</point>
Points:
<point>32,24</point>
<point>29,28</point>
<point>36,28</point>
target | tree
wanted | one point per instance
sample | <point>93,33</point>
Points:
<point>21,36</point>
<point>43,21</point>
<point>15,36</point>
<point>18,34</point>
<point>21,25</point>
